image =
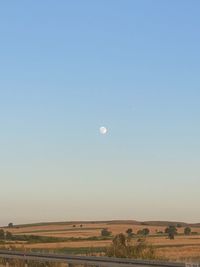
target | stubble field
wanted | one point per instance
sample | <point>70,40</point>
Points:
<point>87,236</point>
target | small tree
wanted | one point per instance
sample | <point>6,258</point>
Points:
<point>129,232</point>
<point>10,225</point>
<point>105,232</point>
<point>122,247</point>
<point>9,236</point>
<point>171,231</point>
<point>139,232</point>
<point>187,230</point>
<point>2,235</point>
<point>145,231</point>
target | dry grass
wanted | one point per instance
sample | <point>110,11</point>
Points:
<point>183,247</point>
<point>181,253</point>
<point>69,230</point>
<point>179,240</point>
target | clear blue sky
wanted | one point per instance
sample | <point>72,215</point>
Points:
<point>69,67</point>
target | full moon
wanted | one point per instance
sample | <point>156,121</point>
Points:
<point>103,130</point>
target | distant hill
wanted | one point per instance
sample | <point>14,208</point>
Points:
<point>131,222</point>
<point>166,223</point>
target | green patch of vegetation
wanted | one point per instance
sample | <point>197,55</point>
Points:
<point>61,230</point>
<point>6,236</point>
<point>37,239</point>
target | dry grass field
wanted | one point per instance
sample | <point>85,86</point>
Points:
<point>181,248</point>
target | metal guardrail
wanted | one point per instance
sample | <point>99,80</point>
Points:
<point>85,260</point>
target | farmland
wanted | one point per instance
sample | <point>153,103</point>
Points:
<point>85,238</point>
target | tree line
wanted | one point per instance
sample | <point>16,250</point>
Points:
<point>171,231</point>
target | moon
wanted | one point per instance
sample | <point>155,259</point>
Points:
<point>103,130</point>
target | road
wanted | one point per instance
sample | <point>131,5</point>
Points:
<point>73,260</point>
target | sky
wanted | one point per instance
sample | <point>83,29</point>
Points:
<point>70,67</point>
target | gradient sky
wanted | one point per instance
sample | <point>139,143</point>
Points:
<point>69,67</point>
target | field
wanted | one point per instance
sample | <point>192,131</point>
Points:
<point>85,237</point>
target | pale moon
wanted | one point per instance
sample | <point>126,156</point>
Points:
<point>103,130</point>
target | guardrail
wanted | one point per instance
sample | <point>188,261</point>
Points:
<point>73,260</point>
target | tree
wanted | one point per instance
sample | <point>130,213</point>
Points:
<point>2,236</point>
<point>139,232</point>
<point>144,231</point>
<point>105,232</point>
<point>171,231</point>
<point>10,225</point>
<point>122,247</point>
<point>187,230</point>
<point>9,236</point>
<point>129,232</point>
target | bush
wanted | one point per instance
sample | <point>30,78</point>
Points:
<point>194,233</point>
<point>9,236</point>
<point>187,231</point>
<point>160,232</point>
<point>171,231</point>
<point>129,232</point>
<point>2,235</point>
<point>122,248</point>
<point>105,232</point>
<point>144,231</point>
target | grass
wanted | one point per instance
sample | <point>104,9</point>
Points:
<point>76,251</point>
<point>79,240</point>
<point>61,230</point>
<point>31,239</point>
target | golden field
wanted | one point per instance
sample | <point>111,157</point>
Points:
<point>181,248</point>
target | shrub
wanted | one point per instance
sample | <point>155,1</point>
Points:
<point>159,232</point>
<point>171,231</point>
<point>2,236</point>
<point>122,248</point>
<point>144,231</point>
<point>187,231</point>
<point>9,236</point>
<point>129,232</point>
<point>105,232</point>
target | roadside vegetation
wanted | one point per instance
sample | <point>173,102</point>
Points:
<point>122,247</point>
<point>20,263</point>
